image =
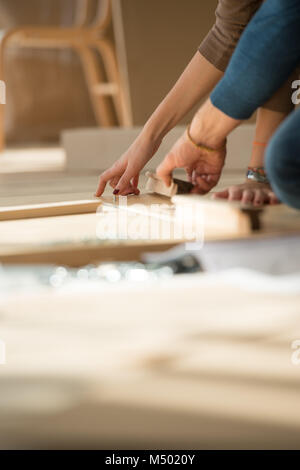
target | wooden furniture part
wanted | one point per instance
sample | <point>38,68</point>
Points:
<point>88,40</point>
<point>123,230</point>
<point>48,210</point>
<point>157,186</point>
<point>222,215</point>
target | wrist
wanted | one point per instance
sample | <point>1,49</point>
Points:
<point>153,132</point>
<point>258,152</point>
<point>200,145</point>
<point>210,126</point>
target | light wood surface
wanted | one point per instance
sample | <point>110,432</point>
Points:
<point>49,210</point>
<point>193,362</point>
<point>72,239</point>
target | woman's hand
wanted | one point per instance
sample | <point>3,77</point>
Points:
<point>202,166</point>
<point>123,175</point>
<point>250,192</point>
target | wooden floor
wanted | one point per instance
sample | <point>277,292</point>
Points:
<point>186,362</point>
<point>32,176</point>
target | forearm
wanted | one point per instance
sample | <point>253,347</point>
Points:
<point>266,124</point>
<point>210,126</point>
<point>197,80</point>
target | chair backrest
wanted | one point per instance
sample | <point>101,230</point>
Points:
<point>81,13</point>
<point>101,18</point>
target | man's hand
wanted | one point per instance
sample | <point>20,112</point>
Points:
<point>203,167</point>
<point>250,192</point>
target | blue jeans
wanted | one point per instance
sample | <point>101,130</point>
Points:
<point>283,161</point>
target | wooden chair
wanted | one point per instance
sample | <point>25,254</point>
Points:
<point>89,40</point>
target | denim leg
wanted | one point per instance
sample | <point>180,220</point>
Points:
<point>282,161</point>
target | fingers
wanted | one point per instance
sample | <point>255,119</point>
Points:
<point>128,181</point>
<point>135,181</point>
<point>235,193</point>
<point>259,198</point>
<point>104,178</point>
<point>256,197</point>
<point>273,199</point>
<point>113,183</point>
<point>124,182</point>
<point>203,182</point>
<point>121,183</point>
<point>221,194</point>
<point>202,186</point>
<point>130,190</point>
<point>248,196</point>
<point>189,172</point>
<point>165,169</point>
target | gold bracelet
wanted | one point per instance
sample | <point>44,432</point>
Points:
<point>201,146</point>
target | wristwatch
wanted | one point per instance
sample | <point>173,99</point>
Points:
<point>257,174</point>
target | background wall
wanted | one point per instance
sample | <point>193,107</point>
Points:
<point>46,91</point>
<point>161,36</point>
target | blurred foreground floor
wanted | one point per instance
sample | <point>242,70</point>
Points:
<point>193,362</point>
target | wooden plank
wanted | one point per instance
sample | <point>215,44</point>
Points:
<point>49,210</point>
<point>80,254</point>
<point>218,216</point>
<point>221,215</point>
<point>74,240</point>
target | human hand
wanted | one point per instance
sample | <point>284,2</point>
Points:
<point>203,166</point>
<point>123,175</point>
<point>251,192</point>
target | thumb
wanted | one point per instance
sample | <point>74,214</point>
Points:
<point>164,170</point>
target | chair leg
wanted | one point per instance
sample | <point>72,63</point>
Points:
<point>107,52</point>
<point>102,109</point>
<point>3,43</point>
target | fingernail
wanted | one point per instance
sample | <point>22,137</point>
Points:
<point>116,191</point>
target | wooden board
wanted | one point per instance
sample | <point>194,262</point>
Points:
<point>74,239</point>
<point>228,218</point>
<point>49,210</point>
<point>222,215</point>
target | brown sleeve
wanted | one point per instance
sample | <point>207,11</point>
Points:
<point>232,16</point>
